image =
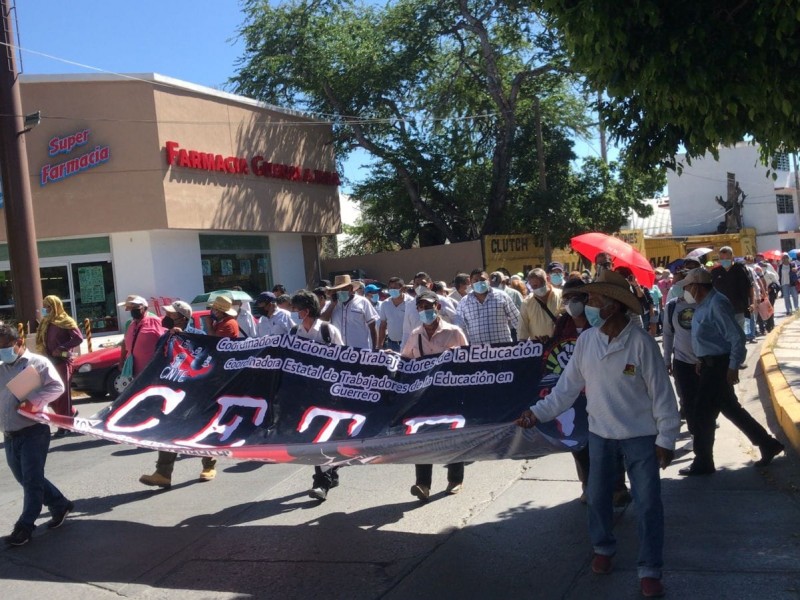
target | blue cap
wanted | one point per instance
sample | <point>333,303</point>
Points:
<point>266,297</point>
<point>372,288</point>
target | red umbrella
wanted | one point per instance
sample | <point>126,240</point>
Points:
<point>773,254</point>
<point>625,255</point>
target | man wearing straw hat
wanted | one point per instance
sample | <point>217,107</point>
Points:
<point>222,320</point>
<point>353,315</point>
<point>632,409</point>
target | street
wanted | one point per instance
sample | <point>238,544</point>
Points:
<point>517,529</point>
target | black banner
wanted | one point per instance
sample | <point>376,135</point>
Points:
<point>287,399</point>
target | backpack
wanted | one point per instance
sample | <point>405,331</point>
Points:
<point>670,312</point>
<point>324,329</point>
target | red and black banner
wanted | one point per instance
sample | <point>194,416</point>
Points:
<point>287,399</point>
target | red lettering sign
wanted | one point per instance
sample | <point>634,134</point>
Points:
<point>237,165</point>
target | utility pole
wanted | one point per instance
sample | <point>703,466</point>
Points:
<point>603,149</point>
<point>21,232</point>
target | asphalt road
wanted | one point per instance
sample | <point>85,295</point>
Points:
<point>516,531</point>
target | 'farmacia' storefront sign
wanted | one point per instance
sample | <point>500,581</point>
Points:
<point>51,173</point>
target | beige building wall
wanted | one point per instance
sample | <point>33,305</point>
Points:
<point>235,202</point>
<point>136,190</point>
<point>124,194</point>
<point>440,262</point>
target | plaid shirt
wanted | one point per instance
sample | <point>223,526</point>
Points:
<point>491,321</point>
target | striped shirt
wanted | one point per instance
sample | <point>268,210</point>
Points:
<point>490,321</point>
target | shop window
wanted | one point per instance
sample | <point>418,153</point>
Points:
<point>94,295</point>
<point>236,260</point>
<point>781,160</point>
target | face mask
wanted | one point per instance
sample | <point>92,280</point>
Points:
<point>168,322</point>
<point>556,279</point>
<point>687,295</point>
<point>480,287</point>
<point>593,316</point>
<point>295,317</point>
<point>343,296</point>
<point>45,311</point>
<point>8,355</point>
<point>394,293</point>
<point>420,288</point>
<point>427,316</point>
<point>725,262</point>
<point>541,291</point>
<point>375,298</point>
<point>257,312</point>
<point>574,308</point>
<point>137,313</point>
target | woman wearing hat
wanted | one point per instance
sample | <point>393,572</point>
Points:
<point>632,410</point>
<point>57,335</point>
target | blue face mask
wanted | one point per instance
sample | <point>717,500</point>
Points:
<point>45,312</point>
<point>8,355</point>
<point>427,316</point>
<point>725,262</point>
<point>556,279</point>
<point>343,296</point>
<point>592,314</point>
<point>480,287</point>
<point>376,298</point>
<point>394,293</point>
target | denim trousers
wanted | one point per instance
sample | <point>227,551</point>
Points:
<point>26,454</point>
<point>789,293</point>
<point>641,464</point>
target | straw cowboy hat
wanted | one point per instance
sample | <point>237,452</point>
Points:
<point>615,286</point>
<point>224,305</point>
<point>339,283</point>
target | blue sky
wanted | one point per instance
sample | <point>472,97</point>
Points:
<point>191,40</point>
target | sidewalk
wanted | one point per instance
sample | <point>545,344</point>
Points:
<point>780,363</point>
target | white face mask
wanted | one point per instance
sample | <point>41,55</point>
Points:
<point>541,291</point>
<point>420,288</point>
<point>574,308</point>
<point>687,295</point>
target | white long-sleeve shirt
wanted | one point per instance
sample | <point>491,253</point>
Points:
<point>628,391</point>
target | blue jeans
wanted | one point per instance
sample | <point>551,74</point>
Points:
<point>641,464</point>
<point>26,453</point>
<point>789,293</point>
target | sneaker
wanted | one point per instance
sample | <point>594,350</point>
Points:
<point>651,587</point>
<point>207,474</point>
<point>59,517</point>
<point>156,479</point>
<point>423,492</point>
<point>769,451</point>
<point>319,493</point>
<point>601,564</point>
<point>454,488</point>
<point>19,537</point>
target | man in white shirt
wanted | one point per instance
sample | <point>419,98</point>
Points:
<point>272,319</point>
<point>632,409</point>
<point>353,315</point>
<point>392,312</point>
<point>311,327</point>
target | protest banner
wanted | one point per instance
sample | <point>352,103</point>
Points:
<point>287,399</point>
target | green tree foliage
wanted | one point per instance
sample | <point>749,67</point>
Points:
<point>687,73</point>
<point>441,94</point>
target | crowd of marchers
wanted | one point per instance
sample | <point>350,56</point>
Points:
<point>706,312</point>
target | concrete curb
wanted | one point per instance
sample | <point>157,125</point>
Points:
<point>784,402</point>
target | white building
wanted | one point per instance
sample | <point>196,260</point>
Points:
<point>770,205</point>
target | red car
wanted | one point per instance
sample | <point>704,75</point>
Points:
<point>96,372</point>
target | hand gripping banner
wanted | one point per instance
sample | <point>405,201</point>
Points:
<point>287,399</point>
